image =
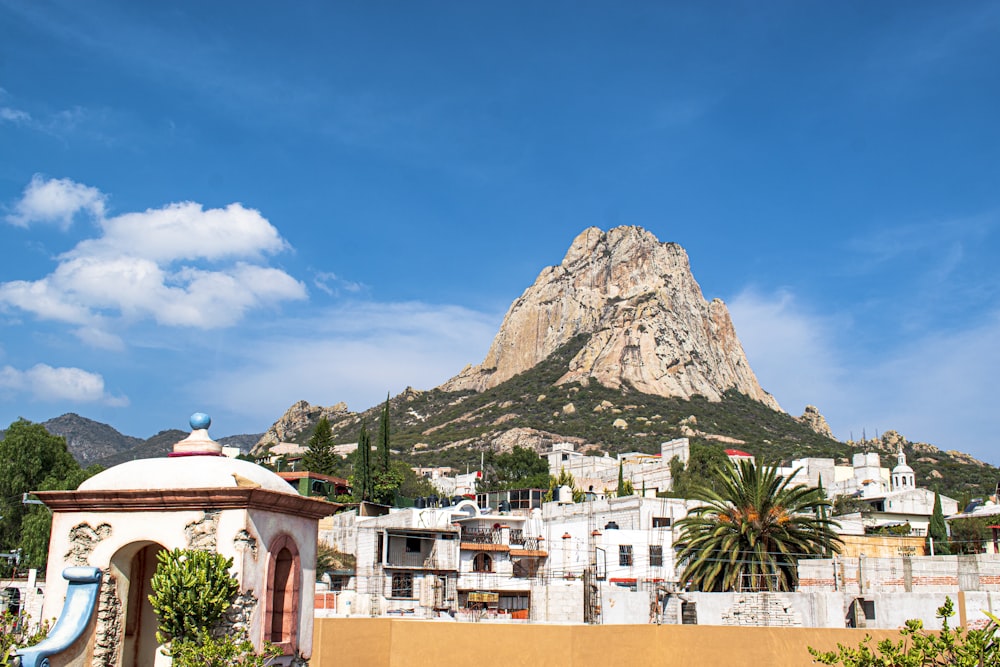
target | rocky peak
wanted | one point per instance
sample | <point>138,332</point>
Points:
<point>812,418</point>
<point>296,419</point>
<point>649,326</point>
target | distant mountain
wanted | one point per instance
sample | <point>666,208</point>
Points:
<point>89,441</point>
<point>160,444</point>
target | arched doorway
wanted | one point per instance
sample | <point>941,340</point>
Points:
<point>133,567</point>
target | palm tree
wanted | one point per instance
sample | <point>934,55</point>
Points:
<point>752,530</point>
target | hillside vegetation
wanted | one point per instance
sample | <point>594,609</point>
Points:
<point>434,428</point>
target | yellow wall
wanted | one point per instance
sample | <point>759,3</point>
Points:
<point>382,642</point>
<point>882,546</point>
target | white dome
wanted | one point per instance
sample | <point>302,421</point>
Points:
<point>186,472</point>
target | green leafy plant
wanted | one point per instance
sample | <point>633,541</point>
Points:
<point>16,631</point>
<point>204,650</point>
<point>191,591</point>
<point>920,648</point>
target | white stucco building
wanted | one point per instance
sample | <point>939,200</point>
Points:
<point>120,519</point>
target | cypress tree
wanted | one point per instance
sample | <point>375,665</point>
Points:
<point>621,481</point>
<point>383,438</point>
<point>938,530</point>
<point>363,470</point>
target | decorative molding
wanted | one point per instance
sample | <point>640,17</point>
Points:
<point>83,538</point>
<point>158,500</point>
<point>201,534</point>
<point>245,541</point>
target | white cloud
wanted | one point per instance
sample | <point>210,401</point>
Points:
<point>100,339</point>
<point>145,265</point>
<point>333,284</point>
<point>16,116</point>
<point>354,353</point>
<point>185,231</point>
<point>46,383</point>
<point>935,388</point>
<point>790,351</point>
<point>56,201</point>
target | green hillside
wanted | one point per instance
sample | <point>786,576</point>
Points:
<point>436,428</point>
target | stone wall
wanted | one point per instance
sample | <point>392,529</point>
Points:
<point>865,575</point>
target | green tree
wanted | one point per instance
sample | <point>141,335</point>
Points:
<point>32,459</point>
<point>752,531</point>
<point>937,530</point>
<point>563,479</point>
<point>702,461</point>
<point>321,457</point>
<point>620,492</point>
<point>364,485</point>
<point>919,648</point>
<point>968,536</point>
<point>520,468</point>
<point>849,505</point>
<point>382,446</point>
<point>386,478</point>
<point>412,484</point>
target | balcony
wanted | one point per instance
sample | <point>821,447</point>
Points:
<point>481,536</point>
<point>424,555</point>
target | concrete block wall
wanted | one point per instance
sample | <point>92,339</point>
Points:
<point>866,575</point>
<point>762,609</point>
<point>558,602</point>
<point>830,609</point>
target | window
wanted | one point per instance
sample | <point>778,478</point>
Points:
<point>282,601</point>
<point>412,545</point>
<point>402,585</point>
<point>514,602</point>
<point>662,522</point>
<point>655,555</point>
<point>482,563</point>
<point>625,554</point>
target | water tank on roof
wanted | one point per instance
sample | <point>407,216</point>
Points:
<point>432,501</point>
<point>565,495</point>
<point>420,503</point>
<point>446,502</point>
<point>611,525</point>
<point>504,506</point>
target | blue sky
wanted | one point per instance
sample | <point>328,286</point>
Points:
<point>229,207</point>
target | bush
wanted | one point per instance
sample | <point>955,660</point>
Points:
<point>16,631</point>
<point>920,648</point>
<point>191,592</point>
<point>204,650</point>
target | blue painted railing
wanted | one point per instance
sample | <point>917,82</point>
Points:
<point>81,600</point>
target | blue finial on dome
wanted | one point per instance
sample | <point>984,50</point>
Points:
<point>200,420</point>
